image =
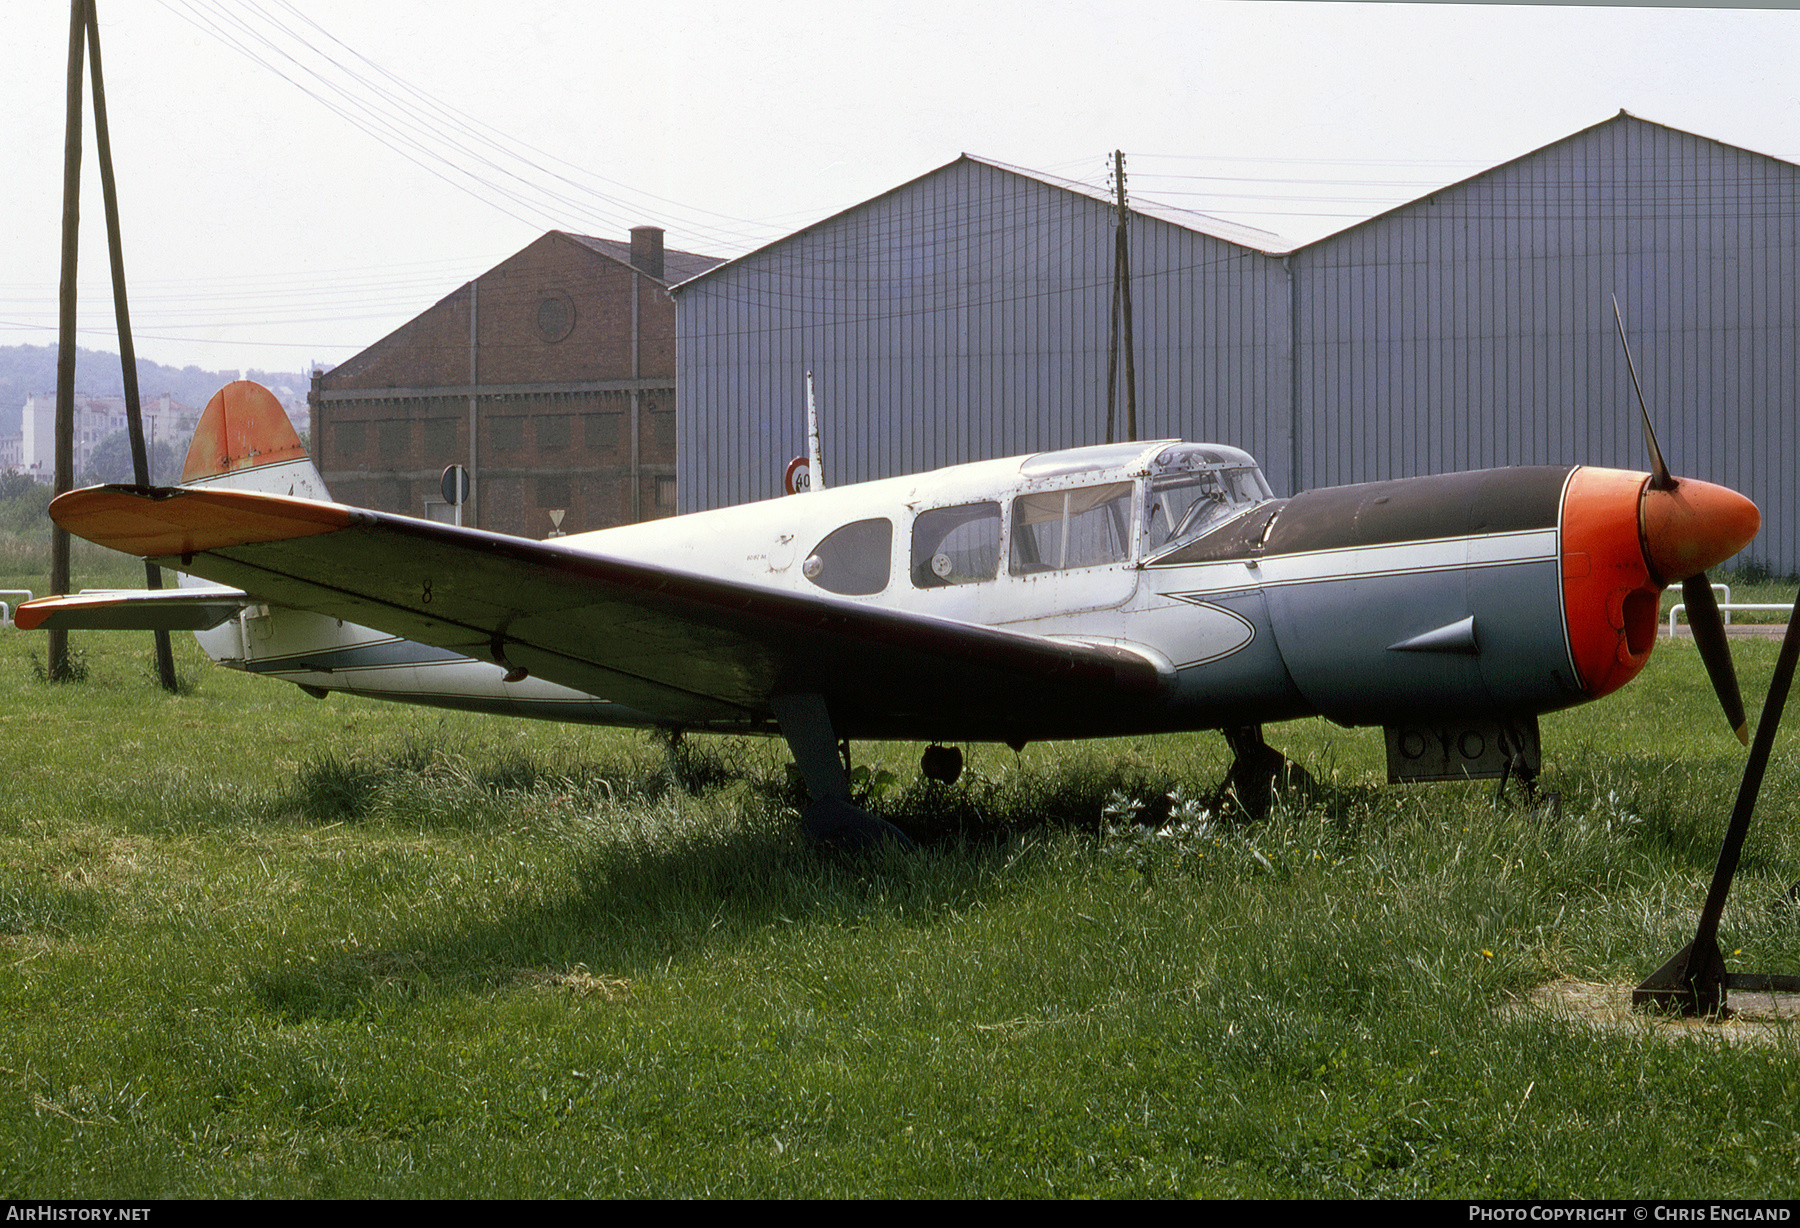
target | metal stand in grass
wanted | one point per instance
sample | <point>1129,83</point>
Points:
<point>1694,981</point>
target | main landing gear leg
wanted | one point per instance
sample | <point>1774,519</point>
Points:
<point>1257,769</point>
<point>1519,766</point>
<point>831,819</point>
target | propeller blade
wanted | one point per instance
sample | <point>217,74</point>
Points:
<point>1660,478</point>
<point>1709,638</point>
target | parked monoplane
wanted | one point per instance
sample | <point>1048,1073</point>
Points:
<point>1128,588</point>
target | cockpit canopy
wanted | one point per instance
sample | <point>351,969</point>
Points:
<point>1069,510</point>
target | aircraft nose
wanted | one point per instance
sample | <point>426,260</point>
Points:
<point>1692,527</point>
<point>1623,543</point>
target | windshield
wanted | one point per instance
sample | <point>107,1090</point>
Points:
<point>1184,505</point>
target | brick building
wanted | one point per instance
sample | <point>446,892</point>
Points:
<point>551,377</point>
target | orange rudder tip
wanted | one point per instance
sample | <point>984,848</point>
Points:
<point>242,427</point>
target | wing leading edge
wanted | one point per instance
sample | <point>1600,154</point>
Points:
<point>685,648</point>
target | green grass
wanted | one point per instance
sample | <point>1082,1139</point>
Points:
<point>254,944</point>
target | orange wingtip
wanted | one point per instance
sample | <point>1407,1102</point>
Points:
<point>167,524</point>
<point>31,615</point>
<point>242,427</point>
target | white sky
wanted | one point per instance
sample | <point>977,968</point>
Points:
<point>262,229</point>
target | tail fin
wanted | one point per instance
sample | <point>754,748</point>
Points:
<point>244,441</point>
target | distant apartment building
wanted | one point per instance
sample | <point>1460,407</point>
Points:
<point>33,449</point>
<point>551,378</point>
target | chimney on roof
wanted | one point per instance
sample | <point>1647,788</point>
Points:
<point>647,250</point>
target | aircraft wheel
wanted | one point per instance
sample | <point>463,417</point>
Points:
<point>943,764</point>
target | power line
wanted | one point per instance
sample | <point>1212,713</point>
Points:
<point>510,175</point>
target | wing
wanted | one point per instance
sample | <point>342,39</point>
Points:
<point>169,609</point>
<point>685,648</point>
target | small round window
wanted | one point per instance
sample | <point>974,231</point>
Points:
<point>555,316</point>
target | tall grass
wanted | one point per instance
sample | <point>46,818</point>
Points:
<point>255,944</point>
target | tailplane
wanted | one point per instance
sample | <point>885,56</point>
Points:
<point>243,441</point>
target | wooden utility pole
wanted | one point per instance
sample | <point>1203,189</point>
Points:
<point>84,27</point>
<point>1121,313</point>
<point>65,336</point>
<point>134,418</point>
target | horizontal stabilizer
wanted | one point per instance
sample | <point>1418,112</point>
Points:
<point>171,609</point>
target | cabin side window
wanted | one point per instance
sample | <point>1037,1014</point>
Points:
<point>956,545</point>
<point>1056,530</point>
<point>853,560</point>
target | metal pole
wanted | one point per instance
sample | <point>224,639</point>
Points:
<point>1694,979</point>
<point>637,476</point>
<point>474,422</point>
<point>134,417</point>
<point>815,460</point>
<point>65,336</point>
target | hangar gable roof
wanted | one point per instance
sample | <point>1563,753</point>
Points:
<point>1228,232</point>
<point>1499,168</point>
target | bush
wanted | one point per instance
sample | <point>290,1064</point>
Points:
<point>75,668</point>
<point>24,503</point>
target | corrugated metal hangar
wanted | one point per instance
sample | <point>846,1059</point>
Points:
<point>965,315</point>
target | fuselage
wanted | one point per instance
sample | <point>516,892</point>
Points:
<point>1490,595</point>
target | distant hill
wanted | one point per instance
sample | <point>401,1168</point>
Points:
<point>25,369</point>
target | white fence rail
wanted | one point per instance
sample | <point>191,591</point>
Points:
<point>10,597</point>
<point>1728,605</point>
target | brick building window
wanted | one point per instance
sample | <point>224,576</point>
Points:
<point>553,492</point>
<point>349,436</point>
<point>555,316</point>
